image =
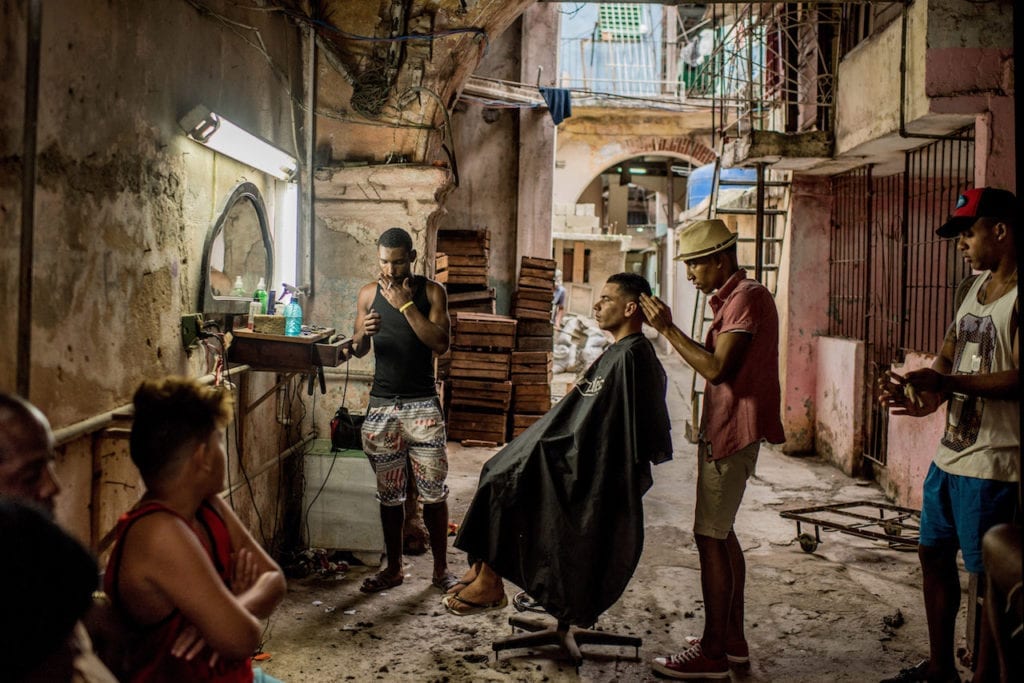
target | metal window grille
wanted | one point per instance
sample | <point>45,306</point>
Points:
<point>937,174</point>
<point>617,21</point>
<point>891,279</point>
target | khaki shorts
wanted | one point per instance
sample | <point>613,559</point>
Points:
<point>720,488</point>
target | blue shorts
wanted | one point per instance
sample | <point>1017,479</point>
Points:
<point>957,511</point>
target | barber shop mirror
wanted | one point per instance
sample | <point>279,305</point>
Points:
<point>237,246</point>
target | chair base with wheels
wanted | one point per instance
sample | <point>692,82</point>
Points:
<point>566,637</point>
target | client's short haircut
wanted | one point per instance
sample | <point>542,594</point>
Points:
<point>395,238</point>
<point>170,414</point>
<point>632,284</point>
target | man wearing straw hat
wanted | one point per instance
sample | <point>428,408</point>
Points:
<point>740,361</point>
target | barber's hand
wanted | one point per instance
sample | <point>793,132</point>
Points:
<point>396,293</point>
<point>658,314</point>
<point>371,323</point>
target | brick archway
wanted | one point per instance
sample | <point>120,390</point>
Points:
<point>581,160</point>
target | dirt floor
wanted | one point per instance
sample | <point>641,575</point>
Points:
<point>850,611</point>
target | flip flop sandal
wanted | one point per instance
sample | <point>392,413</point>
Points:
<point>473,607</point>
<point>524,603</point>
<point>447,582</point>
<point>380,582</point>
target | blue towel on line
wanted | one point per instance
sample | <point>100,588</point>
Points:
<point>559,104</point>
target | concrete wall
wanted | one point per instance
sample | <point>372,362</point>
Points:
<point>839,402</point>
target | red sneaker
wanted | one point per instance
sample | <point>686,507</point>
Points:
<point>738,653</point>
<point>691,663</point>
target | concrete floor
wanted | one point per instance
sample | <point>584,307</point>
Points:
<point>810,617</point>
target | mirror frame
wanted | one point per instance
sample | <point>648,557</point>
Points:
<point>208,303</point>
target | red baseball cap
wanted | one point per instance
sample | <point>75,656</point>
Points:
<point>979,202</point>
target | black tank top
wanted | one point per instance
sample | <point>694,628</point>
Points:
<point>404,366</point>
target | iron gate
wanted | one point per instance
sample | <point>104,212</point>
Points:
<point>891,279</point>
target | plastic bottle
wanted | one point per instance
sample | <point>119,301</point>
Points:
<point>293,318</point>
<point>261,294</point>
<point>254,310</point>
<point>239,287</point>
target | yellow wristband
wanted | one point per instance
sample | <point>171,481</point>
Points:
<point>407,304</point>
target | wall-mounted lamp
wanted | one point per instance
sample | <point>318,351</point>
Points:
<point>217,133</point>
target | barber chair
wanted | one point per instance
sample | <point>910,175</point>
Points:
<point>563,635</point>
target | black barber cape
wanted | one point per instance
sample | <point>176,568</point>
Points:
<point>558,511</point>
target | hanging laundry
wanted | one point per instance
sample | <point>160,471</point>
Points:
<point>559,104</point>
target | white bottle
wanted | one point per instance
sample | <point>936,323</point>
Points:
<point>254,310</point>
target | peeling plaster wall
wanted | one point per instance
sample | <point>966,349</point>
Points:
<point>354,206</point>
<point>124,200</point>
<point>839,402</point>
<point>867,101</point>
<point>912,444</point>
<point>803,307</point>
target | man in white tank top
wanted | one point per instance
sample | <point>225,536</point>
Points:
<point>972,484</point>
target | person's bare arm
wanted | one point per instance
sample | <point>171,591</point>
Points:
<point>730,349</point>
<point>167,558</point>
<point>432,330</point>
<point>258,581</point>
<point>998,385</point>
<point>892,388</point>
<point>367,321</point>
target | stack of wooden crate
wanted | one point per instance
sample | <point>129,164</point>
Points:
<point>461,266</point>
<point>480,391</point>
<point>531,388</point>
<point>532,304</point>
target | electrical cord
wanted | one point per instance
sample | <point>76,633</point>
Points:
<point>334,459</point>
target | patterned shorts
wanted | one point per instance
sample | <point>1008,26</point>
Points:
<point>402,434</point>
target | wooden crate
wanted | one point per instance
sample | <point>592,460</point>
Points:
<point>463,242</point>
<point>479,300</point>
<point>536,295</point>
<point>473,424</point>
<point>531,398</point>
<point>479,365</point>
<point>541,263</point>
<point>531,367</point>
<point>544,343</point>
<point>522,421</point>
<point>483,331</point>
<point>477,394</point>
<point>535,328</point>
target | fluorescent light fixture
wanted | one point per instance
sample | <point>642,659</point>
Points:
<point>288,239</point>
<point>219,134</point>
<point>637,171</point>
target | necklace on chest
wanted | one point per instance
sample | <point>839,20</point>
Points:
<point>994,291</point>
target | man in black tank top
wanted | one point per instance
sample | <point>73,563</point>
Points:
<point>406,317</point>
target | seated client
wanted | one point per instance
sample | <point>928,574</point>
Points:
<point>558,511</point>
<point>185,573</point>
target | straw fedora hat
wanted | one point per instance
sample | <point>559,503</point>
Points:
<point>704,238</point>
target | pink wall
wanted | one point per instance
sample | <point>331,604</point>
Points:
<point>839,402</point>
<point>802,298</point>
<point>912,444</point>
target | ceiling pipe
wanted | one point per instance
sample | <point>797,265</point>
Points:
<point>28,198</point>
